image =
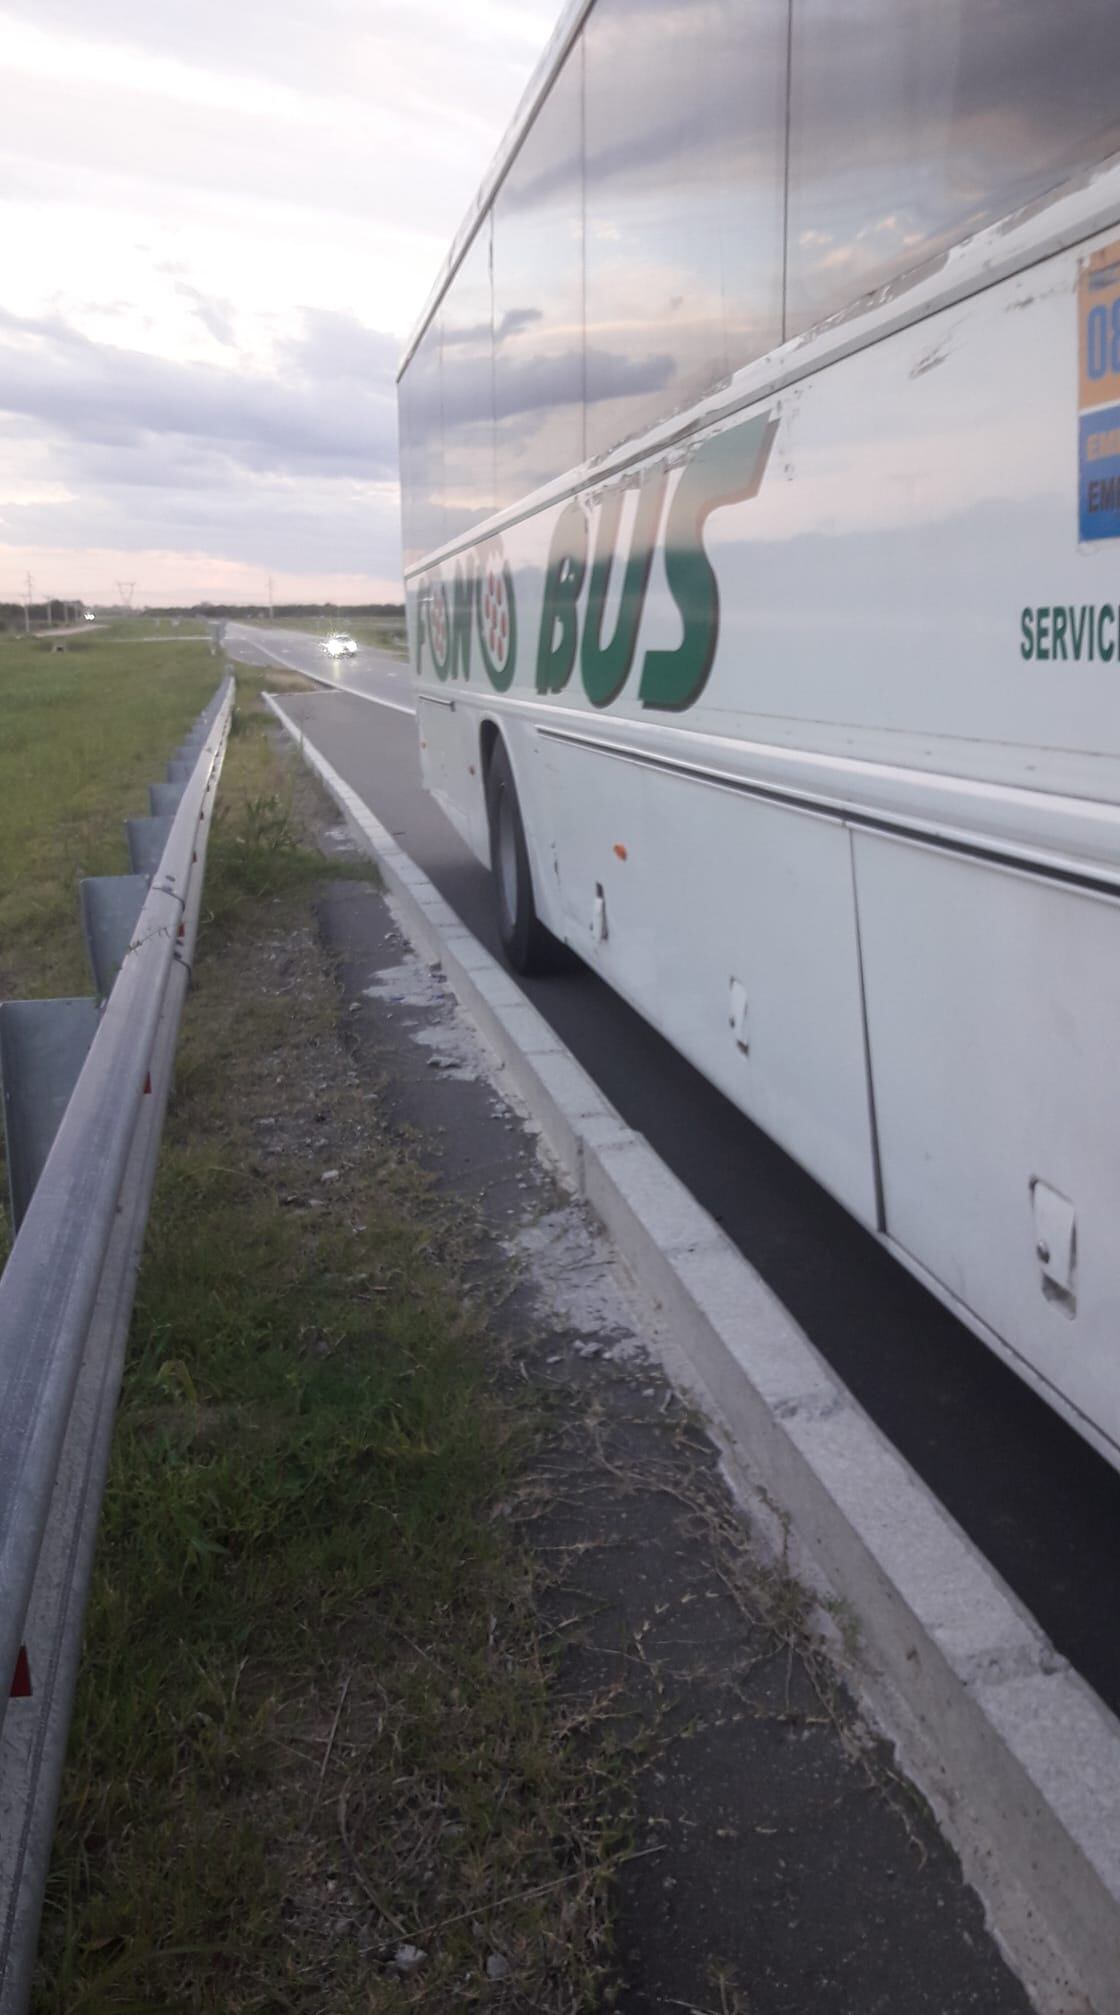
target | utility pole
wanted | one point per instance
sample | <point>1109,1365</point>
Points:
<point>271,612</point>
<point>27,607</point>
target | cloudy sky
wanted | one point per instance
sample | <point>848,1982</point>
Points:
<point>220,219</point>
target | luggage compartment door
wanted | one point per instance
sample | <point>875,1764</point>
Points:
<point>993,1009</point>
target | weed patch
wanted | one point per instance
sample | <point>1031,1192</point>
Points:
<point>85,731</point>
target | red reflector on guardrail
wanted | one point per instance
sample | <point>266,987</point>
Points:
<point>21,1677</point>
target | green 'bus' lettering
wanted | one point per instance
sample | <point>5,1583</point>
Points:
<point>606,667</point>
<point>567,564</point>
<point>725,469</point>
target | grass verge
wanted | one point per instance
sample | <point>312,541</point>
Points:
<point>84,731</point>
<point>314,1763</point>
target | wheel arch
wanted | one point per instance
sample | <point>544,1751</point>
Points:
<point>489,735</point>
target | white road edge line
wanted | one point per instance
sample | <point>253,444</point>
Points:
<point>398,706</point>
<point>1018,1757</point>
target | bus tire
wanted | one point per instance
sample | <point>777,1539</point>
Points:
<point>528,946</point>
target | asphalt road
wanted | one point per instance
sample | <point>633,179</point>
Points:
<point>373,675</point>
<point>1032,1495</point>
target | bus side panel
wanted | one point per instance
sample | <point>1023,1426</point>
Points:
<point>730,923</point>
<point>451,766</point>
<point>993,1001</point>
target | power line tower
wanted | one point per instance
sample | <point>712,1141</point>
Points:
<point>124,590</point>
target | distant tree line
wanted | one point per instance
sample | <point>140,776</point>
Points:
<point>328,610</point>
<point>14,616</point>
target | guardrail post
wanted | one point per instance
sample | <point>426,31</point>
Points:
<point>43,1045</point>
<point>146,841</point>
<point>110,906</point>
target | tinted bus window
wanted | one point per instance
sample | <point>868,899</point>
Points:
<point>538,298</point>
<point>468,391</point>
<point>914,122</point>
<point>421,448</point>
<point>684,160</point>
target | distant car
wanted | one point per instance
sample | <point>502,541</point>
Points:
<point>89,616</point>
<point>339,645</point>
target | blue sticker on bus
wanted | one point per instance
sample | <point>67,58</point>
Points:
<point>1098,394</point>
<point>1098,459</point>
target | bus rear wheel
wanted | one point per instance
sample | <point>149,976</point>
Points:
<point>528,946</point>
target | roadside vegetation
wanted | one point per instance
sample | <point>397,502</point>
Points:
<point>414,1677</point>
<point>83,731</point>
<point>314,1762</point>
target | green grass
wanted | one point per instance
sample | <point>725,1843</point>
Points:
<point>82,733</point>
<point>313,1721</point>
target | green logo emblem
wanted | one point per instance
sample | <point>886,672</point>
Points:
<point>482,599</point>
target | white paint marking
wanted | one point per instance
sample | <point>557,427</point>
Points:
<point>398,706</point>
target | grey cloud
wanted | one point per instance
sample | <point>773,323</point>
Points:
<point>1051,67</point>
<point>536,386</point>
<point>291,466</point>
<point>377,67</point>
<point>327,527</point>
<point>216,316</point>
<point>514,321</point>
<point>191,498</point>
<point>334,345</point>
<point>323,416</point>
<point>610,376</point>
<point>511,324</point>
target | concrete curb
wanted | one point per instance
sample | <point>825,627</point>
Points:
<point>1019,1758</point>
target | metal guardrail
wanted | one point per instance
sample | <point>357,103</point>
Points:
<point>65,1302</point>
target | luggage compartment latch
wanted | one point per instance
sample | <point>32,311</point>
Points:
<point>1055,1243</point>
<point>739,1017</point>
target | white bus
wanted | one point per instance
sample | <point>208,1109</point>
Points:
<point>760,453</point>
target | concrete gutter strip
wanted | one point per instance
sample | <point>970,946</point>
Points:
<point>1019,1758</point>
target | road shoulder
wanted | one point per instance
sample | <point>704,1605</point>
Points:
<point>775,1859</point>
